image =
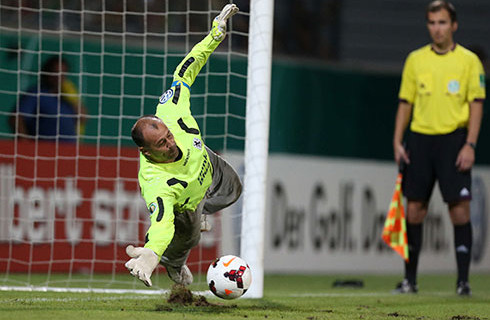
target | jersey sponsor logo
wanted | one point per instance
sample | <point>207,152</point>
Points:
<point>482,80</point>
<point>152,207</point>
<point>204,169</point>
<point>175,100</point>
<point>167,95</point>
<point>185,66</point>
<point>197,143</point>
<point>453,86</point>
<point>187,157</point>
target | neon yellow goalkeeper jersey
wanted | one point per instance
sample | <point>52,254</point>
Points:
<point>171,188</point>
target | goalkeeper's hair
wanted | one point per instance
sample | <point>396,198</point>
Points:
<point>141,123</point>
<point>438,5</point>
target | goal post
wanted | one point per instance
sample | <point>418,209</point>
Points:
<point>257,140</point>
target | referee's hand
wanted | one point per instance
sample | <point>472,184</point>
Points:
<point>466,158</point>
<point>401,155</point>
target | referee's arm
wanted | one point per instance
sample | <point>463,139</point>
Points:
<point>474,122</point>
<point>401,123</point>
<point>466,156</point>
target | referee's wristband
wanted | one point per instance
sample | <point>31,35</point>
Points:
<point>472,145</point>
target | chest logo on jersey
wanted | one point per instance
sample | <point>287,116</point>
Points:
<point>197,143</point>
<point>167,95</point>
<point>453,86</point>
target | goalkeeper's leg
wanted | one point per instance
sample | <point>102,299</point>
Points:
<point>187,235</point>
<point>226,187</point>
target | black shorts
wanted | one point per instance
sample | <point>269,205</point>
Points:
<point>433,157</point>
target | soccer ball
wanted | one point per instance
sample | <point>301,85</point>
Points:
<point>229,277</point>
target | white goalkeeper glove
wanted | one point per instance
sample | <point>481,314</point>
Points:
<point>218,30</point>
<point>142,264</point>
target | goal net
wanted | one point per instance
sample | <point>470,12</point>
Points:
<point>70,201</point>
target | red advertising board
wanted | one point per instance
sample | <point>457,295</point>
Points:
<point>68,207</point>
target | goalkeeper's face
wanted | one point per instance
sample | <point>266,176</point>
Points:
<point>160,144</point>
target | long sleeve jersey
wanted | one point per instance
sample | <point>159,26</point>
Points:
<point>170,188</point>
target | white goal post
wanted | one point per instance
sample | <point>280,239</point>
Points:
<point>68,209</point>
<point>257,140</point>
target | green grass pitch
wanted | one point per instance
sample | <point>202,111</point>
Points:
<point>286,297</point>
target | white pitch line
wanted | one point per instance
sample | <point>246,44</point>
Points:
<point>360,294</point>
<point>92,290</point>
<point>142,297</point>
<point>149,294</point>
<point>364,294</point>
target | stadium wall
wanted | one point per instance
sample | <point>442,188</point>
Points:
<point>325,215</point>
<point>339,112</point>
<point>73,208</point>
<point>333,126</point>
<point>327,111</point>
<point>119,81</point>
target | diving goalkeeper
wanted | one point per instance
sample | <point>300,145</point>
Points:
<point>179,176</point>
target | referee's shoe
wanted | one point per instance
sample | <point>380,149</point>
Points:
<point>463,288</point>
<point>405,287</point>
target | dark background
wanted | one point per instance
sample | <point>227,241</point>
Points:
<point>335,77</point>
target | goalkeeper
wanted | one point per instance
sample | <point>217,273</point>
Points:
<point>180,178</point>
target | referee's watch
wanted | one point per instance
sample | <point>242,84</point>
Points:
<point>471,144</point>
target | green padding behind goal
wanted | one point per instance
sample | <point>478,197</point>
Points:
<point>118,83</point>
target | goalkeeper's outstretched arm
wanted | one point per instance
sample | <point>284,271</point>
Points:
<point>192,64</point>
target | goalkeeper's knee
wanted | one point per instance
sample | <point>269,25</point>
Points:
<point>218,30</point>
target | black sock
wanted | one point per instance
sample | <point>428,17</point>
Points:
<point>414,235</point>
<point>463,240</point>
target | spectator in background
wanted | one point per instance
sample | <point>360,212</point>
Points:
<point>51,110</point>
<point>442,92</point>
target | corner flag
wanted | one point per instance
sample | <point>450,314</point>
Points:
<point>395,228</point>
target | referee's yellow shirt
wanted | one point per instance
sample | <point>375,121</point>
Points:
<point>440,87</point>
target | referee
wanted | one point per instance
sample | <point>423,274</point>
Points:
<point>180,178</point>
<point>442,92</point>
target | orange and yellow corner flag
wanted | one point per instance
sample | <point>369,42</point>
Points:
<point>395,228</point>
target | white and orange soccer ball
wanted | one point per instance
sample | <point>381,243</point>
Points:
<point>229,277</point>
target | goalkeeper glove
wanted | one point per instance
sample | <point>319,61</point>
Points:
<point>142,264</point>
<point>218,30</point>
